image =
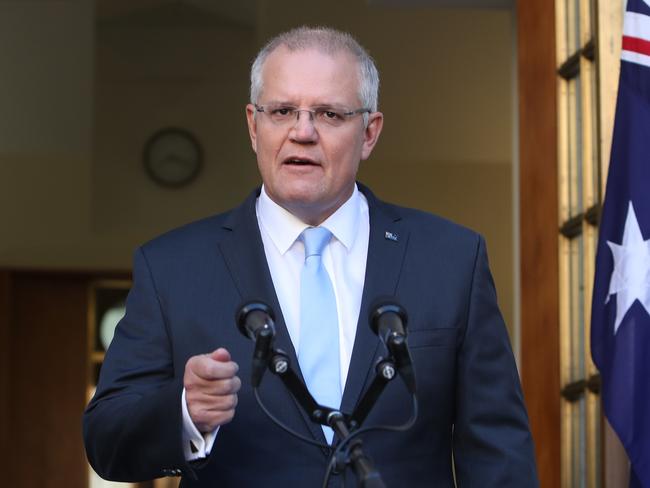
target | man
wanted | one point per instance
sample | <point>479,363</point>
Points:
<point>170,401</point>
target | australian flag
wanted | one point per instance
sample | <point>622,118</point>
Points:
<point>620,324</point>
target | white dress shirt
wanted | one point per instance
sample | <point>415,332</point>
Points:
<point>345,261</point>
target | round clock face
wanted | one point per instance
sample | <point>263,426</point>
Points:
<point>172,157</point>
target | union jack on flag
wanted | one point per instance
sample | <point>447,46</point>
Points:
<point>636,33</point>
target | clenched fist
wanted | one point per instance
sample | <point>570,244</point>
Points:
<point>211,386</point>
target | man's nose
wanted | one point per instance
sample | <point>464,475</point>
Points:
<point>304,129</point>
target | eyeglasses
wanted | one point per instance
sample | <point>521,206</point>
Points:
<point>285,115</point>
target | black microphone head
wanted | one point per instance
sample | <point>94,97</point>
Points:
<point>249,310</point>
<point>383,305</point>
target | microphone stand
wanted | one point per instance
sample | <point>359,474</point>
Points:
<point>341,423</point>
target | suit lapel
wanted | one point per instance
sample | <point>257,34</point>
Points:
<point>386,249</point>
<point>243,252</point>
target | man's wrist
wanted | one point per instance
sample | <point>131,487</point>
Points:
<point>196,445</point>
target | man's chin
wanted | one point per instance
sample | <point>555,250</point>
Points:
<point>301,194</point>
<point>307,207</point>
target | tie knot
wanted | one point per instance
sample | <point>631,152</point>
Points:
<point>315,239</point>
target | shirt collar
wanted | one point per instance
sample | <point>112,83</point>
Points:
<point>284,228</point>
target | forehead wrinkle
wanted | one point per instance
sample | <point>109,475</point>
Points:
<point>283,60</point>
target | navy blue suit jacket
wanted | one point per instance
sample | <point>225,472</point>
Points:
<point>187,285</point>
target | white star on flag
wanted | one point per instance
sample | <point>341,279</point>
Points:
<point>630,279</point>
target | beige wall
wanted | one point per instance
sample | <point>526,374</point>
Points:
<point>72,189</point>
<point>45,131</point>
<point>154,70</point>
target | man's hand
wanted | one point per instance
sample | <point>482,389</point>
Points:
<point>211,386</point>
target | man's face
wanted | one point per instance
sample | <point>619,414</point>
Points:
<point>310,169</point>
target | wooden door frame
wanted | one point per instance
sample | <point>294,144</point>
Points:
<point>540,358</point>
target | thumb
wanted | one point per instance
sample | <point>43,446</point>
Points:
<point>220,354</point>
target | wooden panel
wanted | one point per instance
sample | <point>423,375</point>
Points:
<point>617,465</point>
<point>5,362</point>
<point>48,380</point>
<point>539,231</point>
<point>610,31</point>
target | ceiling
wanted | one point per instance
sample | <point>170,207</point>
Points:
<point>240,11</point>
<point>490,4</point>
<point>245,11</point>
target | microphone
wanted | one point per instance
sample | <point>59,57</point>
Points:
<point>388,321</point>
<point>255,321</point>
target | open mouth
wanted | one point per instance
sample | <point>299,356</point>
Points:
<point>300,162</point>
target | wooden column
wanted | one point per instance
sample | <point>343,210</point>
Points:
<point>540,359</point>
<point>48,379</point>
<point>5,367</point>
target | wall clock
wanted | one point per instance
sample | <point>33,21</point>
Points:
<point>173,157</point>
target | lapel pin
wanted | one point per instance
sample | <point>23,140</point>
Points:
<point>390,236</point>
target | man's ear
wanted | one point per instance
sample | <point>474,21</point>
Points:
<point>252,125</point>
<point>371,133</point>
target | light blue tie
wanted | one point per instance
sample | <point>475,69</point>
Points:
<point>318,351</point>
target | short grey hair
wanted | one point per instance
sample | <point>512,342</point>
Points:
<point>329,41</point>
